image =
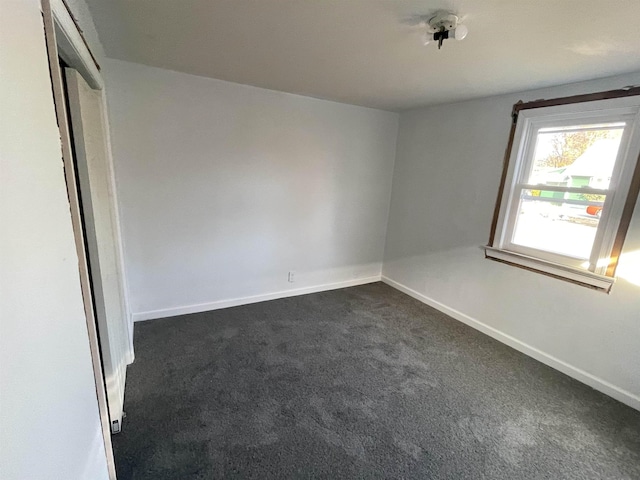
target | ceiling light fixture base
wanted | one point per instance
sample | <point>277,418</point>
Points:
<point>443,21</point>
<point>441,26</point>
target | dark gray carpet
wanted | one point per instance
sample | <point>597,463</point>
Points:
<point>364,382</point>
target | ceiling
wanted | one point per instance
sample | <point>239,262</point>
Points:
<point>367,52</point>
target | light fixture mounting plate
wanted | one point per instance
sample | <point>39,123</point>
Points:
<point>443,21</point>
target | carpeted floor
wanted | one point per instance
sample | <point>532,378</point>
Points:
<point>363,382</point>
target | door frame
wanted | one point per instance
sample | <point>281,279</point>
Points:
<point>64,39</point>
<point>72,47</point>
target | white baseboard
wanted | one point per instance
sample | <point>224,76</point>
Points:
<point>204,307</point>
<point>603,386</point>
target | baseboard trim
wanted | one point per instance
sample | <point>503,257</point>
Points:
<point>204,307</point>
<point>594,382</point>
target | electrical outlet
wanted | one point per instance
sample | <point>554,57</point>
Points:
<point>292,277</point>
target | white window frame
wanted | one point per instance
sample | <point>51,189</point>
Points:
<point>620,195</point>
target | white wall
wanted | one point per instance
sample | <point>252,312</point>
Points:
<point>447,171</point>
<point>50,428</point>
<point>225,188</point>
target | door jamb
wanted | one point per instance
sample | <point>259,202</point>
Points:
<point>73,49</point>
<point>57,19</point>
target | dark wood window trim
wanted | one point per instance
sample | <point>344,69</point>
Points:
<point>634,188</point>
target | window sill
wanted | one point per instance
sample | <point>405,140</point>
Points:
<point>562,272</point>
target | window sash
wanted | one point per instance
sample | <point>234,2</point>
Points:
<point>558,188</point>
<point>532,123</point>
<point>510,229</point>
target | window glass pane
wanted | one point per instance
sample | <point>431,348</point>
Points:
<point>558,222</point>
<point>576,156</point>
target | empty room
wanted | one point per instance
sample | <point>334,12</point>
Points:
<point>279,239</point>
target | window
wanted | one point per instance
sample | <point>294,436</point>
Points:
<point>569,185</point>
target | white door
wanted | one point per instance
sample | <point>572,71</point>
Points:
<point>93,165</point>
